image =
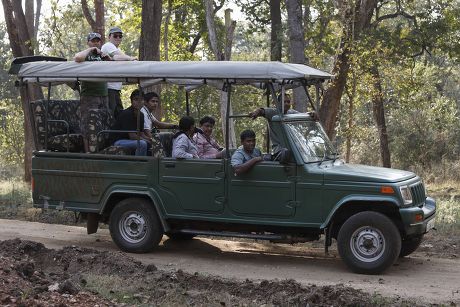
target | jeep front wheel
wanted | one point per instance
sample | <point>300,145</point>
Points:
<point>409,246</point>
<point>134,226</point>
<point>369,242</point>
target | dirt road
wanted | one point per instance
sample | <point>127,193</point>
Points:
<point>428,280</point>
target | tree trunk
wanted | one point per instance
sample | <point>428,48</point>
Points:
<point>379,117</point>
<point>29,14</point>
<point>149,47</point>
<point>276,30</point>
<point>166,31</point>
<point>297,47</point>
<point>97,24</point>
<point>356,20</point>
<point>19,35</point>
<point>220,56</point>
<point>100,20</point>
<point>209,7</point>
<point>351,102</point>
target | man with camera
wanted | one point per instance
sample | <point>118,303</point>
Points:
<point>93,95</point>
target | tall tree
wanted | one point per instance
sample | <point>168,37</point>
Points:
<point>297,47</point>
<point>222,55</point>
<point>276,33</point>
<point>379,116</point>
<point>149,46</point>
<point>357,17</point>
<point>20,42</point>
<point>98,23</point>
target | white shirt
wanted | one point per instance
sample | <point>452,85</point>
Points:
<point>110,49</point>
<point>148,118</point>
<point>184,148</point>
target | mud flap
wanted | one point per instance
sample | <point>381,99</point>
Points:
<point>92,223</point>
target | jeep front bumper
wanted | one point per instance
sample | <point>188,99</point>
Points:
<point>419,220</point>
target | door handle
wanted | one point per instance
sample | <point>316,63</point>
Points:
<point>170,165</point>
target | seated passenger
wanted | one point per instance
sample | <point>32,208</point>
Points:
<point>183,144</point>
<point>247,155</point>
<point>207,146</point>
<point>127,120</point>
<point>151,103</point>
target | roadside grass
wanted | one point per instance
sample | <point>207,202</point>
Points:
<point>447,196</point>
<point>114,288</point>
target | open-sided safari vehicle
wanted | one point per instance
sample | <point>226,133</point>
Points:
<point>375,214</point>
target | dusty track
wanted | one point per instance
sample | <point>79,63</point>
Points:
<point>428,280</point>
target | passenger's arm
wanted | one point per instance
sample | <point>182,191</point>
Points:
<point>245,167</point>
<point>81,56</point>
<point>120,56</point>
<point>163,125</point>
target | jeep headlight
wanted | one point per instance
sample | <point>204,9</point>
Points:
<point>406,194</point>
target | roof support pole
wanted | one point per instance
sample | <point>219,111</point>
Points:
<point>283,92</point>
<point>187,102</point>
<point>227,119</point>
<point>267,132</point>
<point>46,115</point>
<point>318,88</point>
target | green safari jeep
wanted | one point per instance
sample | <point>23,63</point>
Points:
<point>375,214</point>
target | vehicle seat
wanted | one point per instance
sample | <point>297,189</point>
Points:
<point>65,110</point>
<point>166,140</point>
<point>69,111</point>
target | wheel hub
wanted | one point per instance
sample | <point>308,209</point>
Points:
<point>367,244</point>
<point>132,227</point>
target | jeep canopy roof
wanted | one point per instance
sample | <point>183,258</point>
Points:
<point>181,73</point>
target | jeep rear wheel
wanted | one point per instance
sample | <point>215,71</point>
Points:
<point>369,242</point>
<point>409,246</point>
<point>134,226</point>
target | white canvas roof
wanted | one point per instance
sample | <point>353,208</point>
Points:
<point>181,73</point>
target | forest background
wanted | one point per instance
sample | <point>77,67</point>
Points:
<point>394,101</point>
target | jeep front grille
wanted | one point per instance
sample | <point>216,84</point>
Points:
<point>418,194</point>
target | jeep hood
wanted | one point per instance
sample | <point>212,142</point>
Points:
<point>356,172</point>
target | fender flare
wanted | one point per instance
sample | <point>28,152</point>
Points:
<point>358,198</point>
<point>140,191</point>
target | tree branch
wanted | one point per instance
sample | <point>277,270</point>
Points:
<point>87,13</point>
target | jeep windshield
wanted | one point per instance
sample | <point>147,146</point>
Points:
<point>311,140</point>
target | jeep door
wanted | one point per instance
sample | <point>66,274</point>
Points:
<point>195,185</point>
<point>267,190</point>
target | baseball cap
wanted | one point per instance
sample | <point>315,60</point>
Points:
<point>93,35</point>
<point>115,30</point>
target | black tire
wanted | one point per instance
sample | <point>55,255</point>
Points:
<point>382,239</point>
<point>134,226</point>
<point>178,236</point>
<point>409,246</point>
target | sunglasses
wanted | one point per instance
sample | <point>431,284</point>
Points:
<point>117,35</point>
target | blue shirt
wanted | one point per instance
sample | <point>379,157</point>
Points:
<point>240,156</point>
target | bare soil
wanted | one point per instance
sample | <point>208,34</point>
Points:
<point>33,275</point>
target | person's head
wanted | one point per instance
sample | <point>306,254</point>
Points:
<point>248,140</point>
<point>115,36</point>
<point>151,101</point>
<point>137,101</point>
<point>207,125</point>
<point>187,125</point>
<point>287,101</point>
<point>94,40</point>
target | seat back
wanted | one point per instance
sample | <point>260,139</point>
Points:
<point>166,140</point>
<point>65,110</point>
